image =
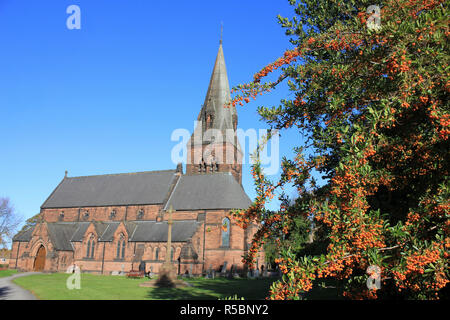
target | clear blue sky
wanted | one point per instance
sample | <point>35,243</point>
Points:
<point>106,98</point>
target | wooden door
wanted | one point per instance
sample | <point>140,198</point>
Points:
<point>39,262</point>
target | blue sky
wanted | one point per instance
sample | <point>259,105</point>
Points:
<point>106,98</point>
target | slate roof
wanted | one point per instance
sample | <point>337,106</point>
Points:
<point>62,234</point>
<point>78,235</point>
<point>23,236</point>
<point>191,192</point>
<point>105,230</point>
<point>152,231</point>
<point>108,233</point>
<point>208,191</point>
<point>139,188</point>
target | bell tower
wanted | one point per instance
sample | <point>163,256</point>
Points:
<point>214,146</point>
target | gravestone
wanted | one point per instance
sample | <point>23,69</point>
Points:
<point>209,272</point>
<point>230,274</point>
<point>150,273</point>
<point>265,273</point>
<point>235,274</point>
<point>224,269</point>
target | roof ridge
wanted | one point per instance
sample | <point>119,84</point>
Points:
<point>227,173</point>
<point>124,173</point>
<point>104,231</point>
<point>172,193</point>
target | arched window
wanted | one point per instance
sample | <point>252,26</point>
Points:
<point>226,232</point>
<point>123,248</point>
<point>90,247</point>
<point>120,254</point>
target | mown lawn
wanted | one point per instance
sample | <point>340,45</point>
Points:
<point>97,287</point>
<point>7,273</point>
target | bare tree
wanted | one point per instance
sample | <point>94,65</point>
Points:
<point>9,221</point>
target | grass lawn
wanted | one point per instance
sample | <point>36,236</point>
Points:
<point>98,287</point>
<point>7,273</point>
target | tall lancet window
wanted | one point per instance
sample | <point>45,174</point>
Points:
<point>90,247</point>
<point>120,254</point>
<point>226,232</point>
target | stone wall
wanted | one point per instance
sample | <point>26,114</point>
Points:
<point>206,241</point>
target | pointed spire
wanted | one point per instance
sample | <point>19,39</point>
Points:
<point>213,113</point>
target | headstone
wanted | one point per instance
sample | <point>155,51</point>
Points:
<point>209,272</point>
<point>224,269</point>
<point>265,273</point>
<point>230,274</point>
<point>150,273</point>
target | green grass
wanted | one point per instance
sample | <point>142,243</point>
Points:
<point>7,273</point>
<point>97,287</point>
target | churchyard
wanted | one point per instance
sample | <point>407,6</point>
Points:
<point>52,286</point>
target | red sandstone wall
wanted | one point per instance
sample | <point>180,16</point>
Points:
<point>228,157</point>
<point>150,212</point>
<point>206,241</point>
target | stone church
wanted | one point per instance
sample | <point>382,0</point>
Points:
<point>113,223</point>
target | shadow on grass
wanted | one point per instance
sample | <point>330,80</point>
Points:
<point>213,289</point>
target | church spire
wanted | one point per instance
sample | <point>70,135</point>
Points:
<point>214,114</point>
<point>208,152</point>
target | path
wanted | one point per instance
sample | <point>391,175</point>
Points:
<point>11,291</point>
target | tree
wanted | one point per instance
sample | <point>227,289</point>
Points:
<point>373,101</point>
<point>32,222</point>
<point>9,221</point>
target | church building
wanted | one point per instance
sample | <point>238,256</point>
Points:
<point>114,223</point>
